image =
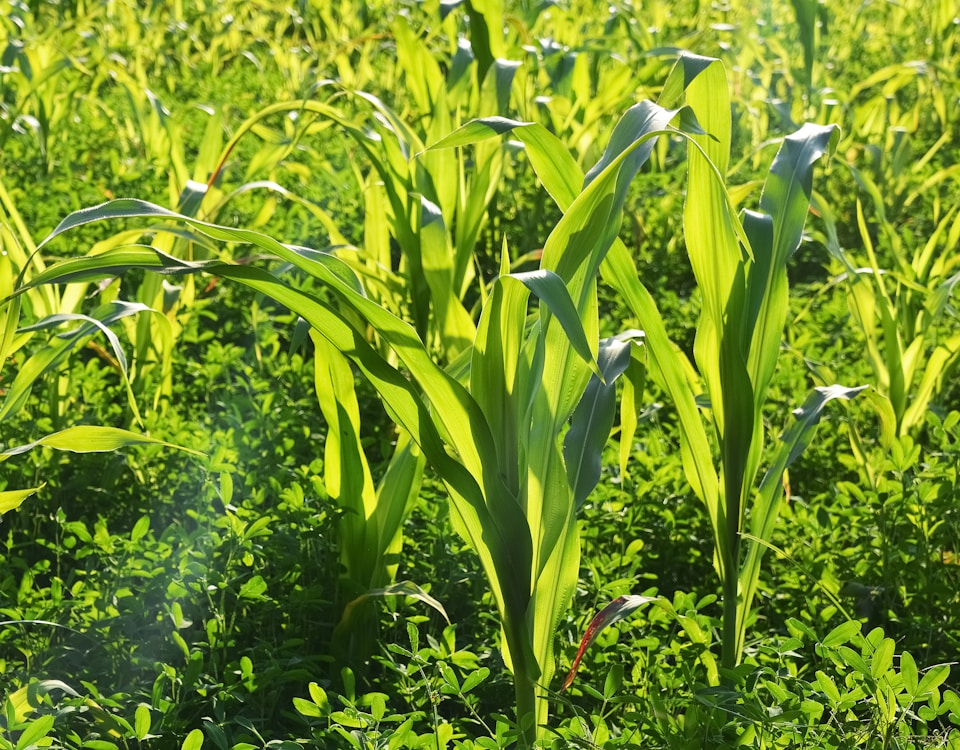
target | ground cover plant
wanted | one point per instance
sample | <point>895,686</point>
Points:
<point>481,320</point>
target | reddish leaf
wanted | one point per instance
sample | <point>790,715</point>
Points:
<point>619,608</point>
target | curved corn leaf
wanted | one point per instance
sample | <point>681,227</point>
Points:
<point>774,237</point>
<point>53,354</point>
<point>631,408</point>
<point>618,609</point>
<point>112,262</point>
<point>401,588</point>
<point>346,473</point>
<point>553,293</point>
<point>12,499</point>
<point>396,493</point>
<point>766,508</point>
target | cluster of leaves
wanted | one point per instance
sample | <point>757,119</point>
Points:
<point>153,597</point>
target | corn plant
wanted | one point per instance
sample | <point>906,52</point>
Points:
<point>44,361</point>
<point>740,266</point>
<point>497,440</point>
<point>370,538</point>
<point>904,311</point>
<point>42,85</point>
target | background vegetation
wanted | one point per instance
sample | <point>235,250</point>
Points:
<point>153,597</point>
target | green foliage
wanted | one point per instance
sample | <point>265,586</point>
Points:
<point>154,598</point>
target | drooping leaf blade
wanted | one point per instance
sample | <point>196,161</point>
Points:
<point>618,609</point>
<point>401,588</point>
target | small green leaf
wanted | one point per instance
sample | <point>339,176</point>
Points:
<point>141,721</point>
<point>841,634</point>
<point>35,731</point>
<point>908,670</point>
<point>827,686</point>
<point>474,678</point>
<point>593,418</point>
<point>254,589</point>
<point>613,681</point>
<point>882,658</point>
<point>319,696</point>
<point>193,741</point>
<point>140,529</point>
<point>933,679</point>
<point>307,708</point>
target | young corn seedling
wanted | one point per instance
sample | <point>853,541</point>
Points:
<point>901,310</point>
<point>494,435</point>
<point>45,360</point>
<point>43,87</point>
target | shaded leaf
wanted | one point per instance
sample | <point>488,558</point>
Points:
<point>593,418</point>
<point>618,609</point>
<point>401,588</point>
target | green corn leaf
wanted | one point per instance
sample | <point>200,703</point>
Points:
<point>554,165</point>
<point>631,405</point>
<point>478,130</point>
<point>396,494</point>
<point>940,362</point>
<point>51,356</point>
<point>551,290</point>
<point>496,374</point>
<point>806,12</point>
<point>774,236</point>
<point>9,307</point>
<point>113,262</point>
<point>593,418</point>
<point>12,499</point>
<point>456,327</point>
<point>766,508</point>
<point>91,439</point>
<point>401,588</point>
<point>116,262</point>
<point>346,473</point>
